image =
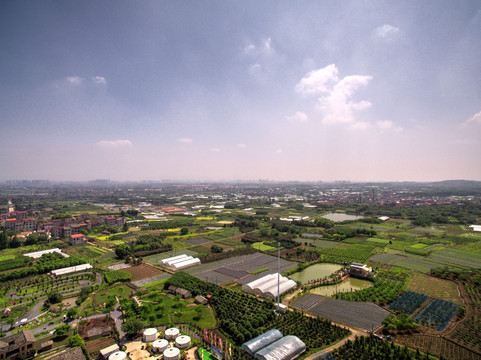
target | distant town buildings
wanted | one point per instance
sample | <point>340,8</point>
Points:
<point>19,222</point>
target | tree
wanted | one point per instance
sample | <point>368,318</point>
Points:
<point>184,231</point>
<point>72,313</point>
<point>125,227</point>
<point>132,327</point>
<point>122,251</point>
<point>3,240</point>
<point>76,340</point>
<point>62,330</point>
<point>54,297</point>
<point>216,249</point>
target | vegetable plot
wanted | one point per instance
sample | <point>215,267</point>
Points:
<point>409,302</point>
<point>438,314</point>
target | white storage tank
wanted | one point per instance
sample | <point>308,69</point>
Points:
<point>172,354</point>
<point>118,355</point>
<point>182,341</point>
<point>160,345</point>
<point>149,335</point>
<point>172,333</point>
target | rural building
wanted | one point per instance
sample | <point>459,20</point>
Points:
<point>360,270</point>
<point>199,299</point>
<point>74,353</point>
<point>17,345</point>
<point>77,239</point>
<point>183,292</point>
<point>106,352</point>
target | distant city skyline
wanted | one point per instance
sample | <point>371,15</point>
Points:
<point>360,91</point>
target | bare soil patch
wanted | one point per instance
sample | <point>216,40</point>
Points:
<point>143,271</point>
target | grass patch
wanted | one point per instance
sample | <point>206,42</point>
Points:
<point>261,247</point>
<point>258,271</point>
<point>434,287</point>
<point>419,246</point>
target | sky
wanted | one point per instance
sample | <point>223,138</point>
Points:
<point>240,90</point>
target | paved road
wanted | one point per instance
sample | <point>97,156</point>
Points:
<point>116,314</point>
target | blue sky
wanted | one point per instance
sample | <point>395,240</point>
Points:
<point>217,90</point>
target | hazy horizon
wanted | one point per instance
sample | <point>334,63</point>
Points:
<point>223,91</point>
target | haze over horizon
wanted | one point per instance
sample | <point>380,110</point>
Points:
<point>305,91</point>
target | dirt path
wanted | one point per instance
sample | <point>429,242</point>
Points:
<point>355,332</point>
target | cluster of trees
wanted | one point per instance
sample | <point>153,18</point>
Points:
<point>367,348</point>
<point>144,243</point>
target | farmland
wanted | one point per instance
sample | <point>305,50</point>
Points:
<point>438,313</point>
<point>415,262</point>
<point>361,315</point>
<point>409,302</point>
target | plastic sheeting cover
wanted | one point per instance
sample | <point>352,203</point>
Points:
<point>254,345</point>
<point>283,349</point>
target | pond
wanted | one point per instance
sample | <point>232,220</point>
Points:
<point>316,271</point>
<point>346,286</point>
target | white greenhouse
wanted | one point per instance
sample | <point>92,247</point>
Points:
<point>267,285</point>
<point>180,262</point>
<point>261,341</point>
<point>287,348</point>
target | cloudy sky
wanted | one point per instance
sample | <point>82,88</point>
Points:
<point>224,90</point>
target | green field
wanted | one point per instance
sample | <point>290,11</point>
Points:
<point>261,247</point>
<point>458,257</point>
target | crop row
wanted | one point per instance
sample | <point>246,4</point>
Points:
<point>387,286</point>
<point>351,253</point>
<point>113,276</point>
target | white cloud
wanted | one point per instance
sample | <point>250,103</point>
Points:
<point>242,145</point>
<point>337,107</point>
<point>463,141</point>
<point>318,81</point>
<point>299,116</point>
<point>114,143</point>
<point>75,80</point>
<point>475,119</point>
<point>386,32</point>
<point>360,125</point>
<point>388,125</point>
<point>264,48</point>
<point>215,150</point>
<point>185,140</point>
<point>254,69</point>
<point>99,80</point>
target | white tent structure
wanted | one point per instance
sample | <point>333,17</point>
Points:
<point>287,348</point>
<point>71,269</point>
<point>180,262</point>
<point>267,286</point>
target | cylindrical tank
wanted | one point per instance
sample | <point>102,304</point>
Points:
<point>160,345</point>
<point>172,354</point>
<point>172,333</point>
<point>118,355</point>
<point>182,341</point>
<point>149,335</point>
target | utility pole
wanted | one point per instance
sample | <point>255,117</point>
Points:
<point>278,274</point>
